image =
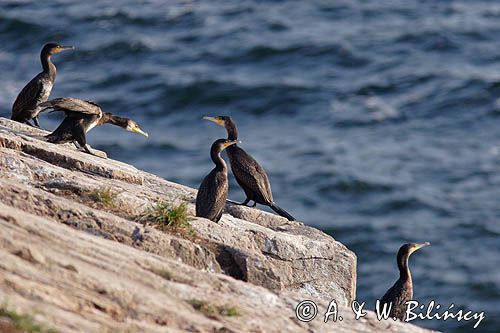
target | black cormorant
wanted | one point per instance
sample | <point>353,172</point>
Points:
<point>249,174</point>
<point>26,106</point>
<point>402,291</point>
<point>81,117</point>
<point>212,193</point>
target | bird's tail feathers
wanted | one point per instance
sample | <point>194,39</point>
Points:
<point>281,211</point>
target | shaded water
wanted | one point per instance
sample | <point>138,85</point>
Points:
<point>377,121</point>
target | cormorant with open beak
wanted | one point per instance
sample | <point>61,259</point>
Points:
<point>212,193</point>
<point>27,104</point>
<point>402,291</point>
<point>81,117</point>
<point>249,174</point>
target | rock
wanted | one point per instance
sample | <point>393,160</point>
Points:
<point>17,136</point>
<point>92,266</point>
<point>30,255</point>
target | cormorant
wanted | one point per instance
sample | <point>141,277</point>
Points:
<point>402,291</point>
<point>26,106</point>
<point>81,117</point>
<point>249,174</point>
<point>212,193</point>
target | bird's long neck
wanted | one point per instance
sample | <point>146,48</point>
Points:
<point>220,165</point>
<point>109,118</point>
<point>48,66</point>
<point>404,268</point>
<point>232,131</point>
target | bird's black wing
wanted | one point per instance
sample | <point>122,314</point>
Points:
<point>211,197</point>
<point>72,105</point>
<point>398,295</point>
<point>249,173</point>
<point>29,97</point>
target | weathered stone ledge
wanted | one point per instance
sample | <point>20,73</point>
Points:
<point>86,268</point>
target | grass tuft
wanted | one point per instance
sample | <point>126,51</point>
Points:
<point>211,310</point>
<point>104,196</point>
<point>167,216</point>
<point>230,311</point>
<point>23,322</point>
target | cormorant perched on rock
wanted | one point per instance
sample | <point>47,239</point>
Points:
<point>81,117</point>
<point>26,106</point>
<point>249,174</point>
<point>212,193</point>
<point>402,291</point>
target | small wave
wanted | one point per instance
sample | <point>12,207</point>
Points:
<point>376,88</point>
<point>491,12</point>
<point>430,40</point>
<point>395,85</point>
<point>364,111</point>
<point>15,26</point>
<point>277,26</point>
<point>114,49</point>
<point>121,16</point>
<point>238,11</point>
<point>16,4</point>
<point>466,94</point>
<point>354,186</point>
<point>262,52</point>
<point>486,289</point>
<point>113,80</point>
<point>135,17</point>
<point>188,38</point>
<point>256,99</point>
<point>339,54</point>
<point>334,11</point>
<point>403,204</point>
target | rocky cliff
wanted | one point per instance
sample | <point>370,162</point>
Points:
<point>80,263</point>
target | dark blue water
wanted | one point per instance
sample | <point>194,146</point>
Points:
<point>378,121</point>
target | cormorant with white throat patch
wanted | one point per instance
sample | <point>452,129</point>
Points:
<point>81,117</point>
<point>249,174</point>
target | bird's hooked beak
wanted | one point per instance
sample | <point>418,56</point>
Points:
<point>229,143</point>
<point>137,129</point>
<point>216,120</point>
<point>417,246</point>
<point>63,48</point>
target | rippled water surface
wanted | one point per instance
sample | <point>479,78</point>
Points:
<point>378,121</point>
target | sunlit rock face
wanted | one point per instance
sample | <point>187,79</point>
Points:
<point>82,264</point>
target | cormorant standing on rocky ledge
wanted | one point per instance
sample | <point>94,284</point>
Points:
<point>26,106</point>
<point>212,193</point>
<point>81,117</point>
<point>249,174</point>
<point>402,291</point>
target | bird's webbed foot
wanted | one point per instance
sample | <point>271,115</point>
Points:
<point>245,203</point>
<point>27,122</point>
<point>35,121</point>
<point>87,149</point>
